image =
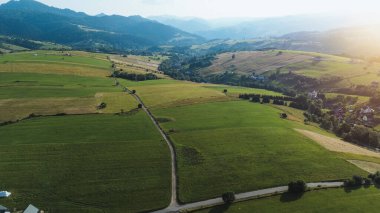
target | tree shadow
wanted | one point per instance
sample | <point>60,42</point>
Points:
<point>290,197</point>
<point>349,189</point>
<point>220,209</point>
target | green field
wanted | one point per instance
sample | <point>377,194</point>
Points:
<point>332,200</point>
<point>55,57</point>
<point>241,146</point>
<point>85,163</point>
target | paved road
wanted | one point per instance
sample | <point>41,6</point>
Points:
<point>243,196</point>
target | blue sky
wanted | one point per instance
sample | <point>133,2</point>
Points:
<point>218,8</point>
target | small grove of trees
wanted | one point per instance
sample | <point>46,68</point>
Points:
<point>256,98</point>
<point>297,186</point>
<point>228,197</point>
<point>134,77</point>
<point>101,106</point>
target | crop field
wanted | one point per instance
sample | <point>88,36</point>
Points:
<point>331,200</point>
<point>86,163</point>
<point>240,146</point>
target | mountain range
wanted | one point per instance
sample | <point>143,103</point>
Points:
<point>30,19</point>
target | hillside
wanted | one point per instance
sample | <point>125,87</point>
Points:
<point>30,19</point>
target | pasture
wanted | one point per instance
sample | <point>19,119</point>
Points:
<point>87,163</point>
<point>331,200</point>
<point>240,146</point>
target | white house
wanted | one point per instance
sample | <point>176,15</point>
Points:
<point>5,194</point>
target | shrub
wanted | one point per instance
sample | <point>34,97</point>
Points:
<point>102,106</point>
<point>228,197</point>
<point>297,187</point>
<point>377,180</point>
<point>367,182</point>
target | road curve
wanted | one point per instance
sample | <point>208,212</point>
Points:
<point>244,196</point>
<point>173,201</point>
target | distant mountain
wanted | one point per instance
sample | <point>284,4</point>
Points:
<point>190,24</point>
<point>247,28</point>
<point>33,20</point>
<point>354,41</point>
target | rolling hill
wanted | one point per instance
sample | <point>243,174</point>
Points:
<point>30,19</point>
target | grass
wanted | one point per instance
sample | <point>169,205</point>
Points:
<point>232,90</point>
<point>168,93</point>
<point>33,85</point>
<point>240,146</point>
<point>331,200</point>
<point>14,109</point>
<point>55,57</point>
<point>91,163</point>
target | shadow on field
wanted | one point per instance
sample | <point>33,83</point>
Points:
<point>219,209</point>
<point>352,188</point>
<point>290,197</point>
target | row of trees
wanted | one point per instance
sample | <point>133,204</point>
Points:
<point>134,76</point>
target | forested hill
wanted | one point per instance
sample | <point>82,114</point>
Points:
<point>33,20</point>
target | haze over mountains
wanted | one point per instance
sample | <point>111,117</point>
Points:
<point>33,20</point>
<point>335,34</point>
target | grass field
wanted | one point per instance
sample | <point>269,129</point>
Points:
<point>314,65</point>
<point>25,85</point>
<point>55,57</point>
<point>232,90</point>
<point>331,200</point>
<point>241,146</point>
<point>85,164</point>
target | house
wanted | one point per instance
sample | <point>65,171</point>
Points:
<point>366,111</point>
<point>4,209</point>
<point>31,209</point>
<point>313,94</point>
<point>258,78</point>
<point>5,194</point>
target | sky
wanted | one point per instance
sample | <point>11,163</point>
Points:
<point>211,9</point>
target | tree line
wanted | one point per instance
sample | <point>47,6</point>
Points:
<point>134,76</point>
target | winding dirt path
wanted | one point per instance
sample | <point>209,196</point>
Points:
<point>173,202</point>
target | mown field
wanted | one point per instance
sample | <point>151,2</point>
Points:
<point>97,163</point>
<point>332,200</point>
<point>93,161</point>
<point>240,146</point>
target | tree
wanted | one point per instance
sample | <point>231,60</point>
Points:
<point>228,197</point>
<point>266,100</point>
<point>225,91</point>
<point>297,187</point>
<point>133,91</point>
<point>284,116</point>
<point>140,106</point>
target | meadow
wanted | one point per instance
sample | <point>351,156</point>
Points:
<point>331,200</point>
<point>240,146</point>
<point>88,163</point>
